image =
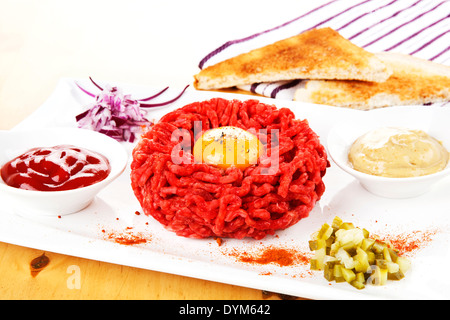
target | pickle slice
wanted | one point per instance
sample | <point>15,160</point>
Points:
<point>359,282</point>
<point>337,273</point>
<point>336,223</point>
<point>348,274</point>
<point>346,253</point>
<point>361,260</point>
<point>316,244</point>
<point>367,244</point>
<point>325,232</point>
<point>396,276</point>
<point>379,276</point>
<point>317,262</point>
<point>328,271</point>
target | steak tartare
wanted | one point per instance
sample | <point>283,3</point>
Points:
<point>199,200</point>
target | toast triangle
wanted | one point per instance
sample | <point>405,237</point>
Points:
<point>414,81</point>
<point>315,54</point>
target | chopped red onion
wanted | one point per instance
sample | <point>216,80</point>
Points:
<point>114,114</point>
<point>118,115</point>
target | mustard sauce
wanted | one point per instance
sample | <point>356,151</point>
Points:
<point>398,153</point>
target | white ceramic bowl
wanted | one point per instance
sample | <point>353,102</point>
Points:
<point>432,120</point>
<point>14,143</point>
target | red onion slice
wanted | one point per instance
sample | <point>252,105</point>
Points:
<point>152,105</point>
<point>116,114</point>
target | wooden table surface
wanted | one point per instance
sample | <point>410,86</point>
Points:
<point>139,42</point>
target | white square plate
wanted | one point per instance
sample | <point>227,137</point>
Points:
<point>86,234</point>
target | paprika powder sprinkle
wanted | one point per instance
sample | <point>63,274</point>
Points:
<point>126,237</point>
<point>408,242</point>
<point>276,255</point>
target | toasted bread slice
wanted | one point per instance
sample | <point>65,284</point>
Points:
<point>315,54</point>
<point>414,81</point>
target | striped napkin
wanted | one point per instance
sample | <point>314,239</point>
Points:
<point>417,27</point>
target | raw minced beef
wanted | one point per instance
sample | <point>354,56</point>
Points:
<point>197,200</point>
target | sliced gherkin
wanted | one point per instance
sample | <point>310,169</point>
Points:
<point>348,274</point>
<point>346,253</point>
<point>396,276</point>
<point>328,271</point>
<point>325,232</point>
<point>367,244</point>
<point>336,223</point>
<point>316,244</point>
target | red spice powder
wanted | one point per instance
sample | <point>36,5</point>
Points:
<point>127,237</point>
<point>276,255</point>
<point>409,242</point>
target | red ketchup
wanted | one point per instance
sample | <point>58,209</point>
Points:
<point>62,167</point>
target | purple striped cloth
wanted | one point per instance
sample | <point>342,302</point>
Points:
<point>417,27</point>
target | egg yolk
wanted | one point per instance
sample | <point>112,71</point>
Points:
<point>224,147</point>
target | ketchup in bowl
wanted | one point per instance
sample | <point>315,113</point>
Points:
<point>58,168</point>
